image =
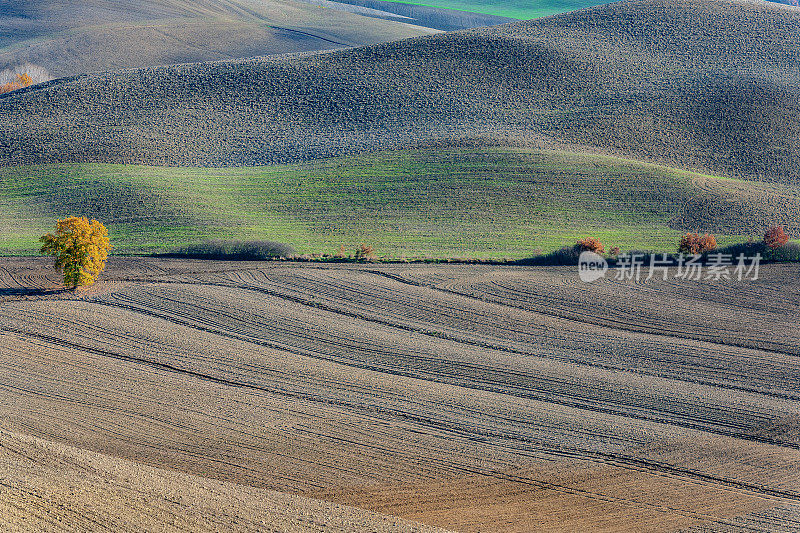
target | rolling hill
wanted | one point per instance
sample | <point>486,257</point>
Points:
<point>421,15</point>
<point>50,487</point>
<point>288,396</point>
<point>74,37</point>
<point>489,203</point>
<point>709,85</point>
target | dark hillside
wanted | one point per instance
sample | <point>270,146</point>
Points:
<point>711,85</point>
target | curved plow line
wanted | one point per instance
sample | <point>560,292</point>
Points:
<point>623,461</point>
<point>452,338</point>
<point>432,378</point>
<point>609,323</point>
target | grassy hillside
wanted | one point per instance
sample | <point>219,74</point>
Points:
<point>708,84</point>
<point>73,37</point>
<point>437,202</point>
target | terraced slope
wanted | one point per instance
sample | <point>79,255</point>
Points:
<point>74,37</point>
<point>473,398</point>
<point>438,202</point>
<point>709,84</point>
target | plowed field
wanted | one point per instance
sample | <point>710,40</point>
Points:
<point>466,397</point>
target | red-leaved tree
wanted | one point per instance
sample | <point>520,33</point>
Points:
<point>590,244</point>
<point>694,243</point>
<point>775,237</point>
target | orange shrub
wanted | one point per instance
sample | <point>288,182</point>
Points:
<point>694,243</point>
<point>365,253</point>
<point>8,87</point>
<point>590,244</point>
<point>23,80</point>
<point>776,237</point>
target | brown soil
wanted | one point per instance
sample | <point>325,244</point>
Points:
<point>471,397</point>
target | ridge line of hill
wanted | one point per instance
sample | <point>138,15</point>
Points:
<point>709,84</point>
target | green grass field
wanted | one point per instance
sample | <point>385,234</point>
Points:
<point>518,9</point>
<point>486,203</point>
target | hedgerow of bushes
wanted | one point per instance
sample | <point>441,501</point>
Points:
<point>233,250</point>
<point>774,247</point>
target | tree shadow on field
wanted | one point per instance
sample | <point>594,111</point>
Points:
<point>26,292</point>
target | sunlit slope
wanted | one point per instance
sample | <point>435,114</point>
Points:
<point>708,84</point>
<point>447,203</point>
<point>73,37</point>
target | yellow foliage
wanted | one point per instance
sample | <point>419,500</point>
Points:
<point>24,80</point>
<point>8,87</point>
<point>80,248</point>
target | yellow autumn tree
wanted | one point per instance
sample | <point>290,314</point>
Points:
<point>80,247</point>
<point>23,80</point>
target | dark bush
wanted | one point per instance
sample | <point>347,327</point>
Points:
<point>233,250</point>
<point>566,256</point>
<point>784,254</point>
<point>749,249</point>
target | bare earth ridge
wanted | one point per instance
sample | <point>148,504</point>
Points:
<point>708,84</point>
<point>52,487</point>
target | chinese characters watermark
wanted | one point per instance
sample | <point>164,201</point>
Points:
<point>644,267</point>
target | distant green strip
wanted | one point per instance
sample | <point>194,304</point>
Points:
<point>517,9</point>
